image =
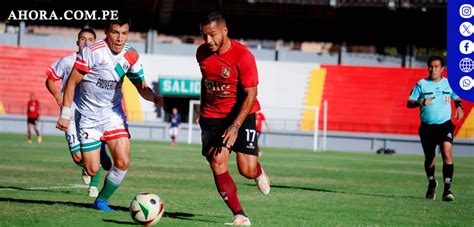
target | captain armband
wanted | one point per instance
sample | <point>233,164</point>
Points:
<point>66,112</point>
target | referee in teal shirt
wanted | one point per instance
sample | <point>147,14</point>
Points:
<point>433,95</point>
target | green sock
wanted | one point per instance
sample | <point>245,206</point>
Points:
<point>95,179</point>
<point>108,189</point>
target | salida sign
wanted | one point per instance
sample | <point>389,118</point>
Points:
<point>180,87</point>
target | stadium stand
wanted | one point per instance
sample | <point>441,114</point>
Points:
<point>373,99</point>
<point>362,99</point>
<point>23,71</point>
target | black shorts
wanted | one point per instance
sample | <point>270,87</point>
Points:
<point>435,134</point>
<point>212,130</point>
<point>32,121</point>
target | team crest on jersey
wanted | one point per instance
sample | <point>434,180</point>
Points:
<point>225,72</point>
<point>125,68</point>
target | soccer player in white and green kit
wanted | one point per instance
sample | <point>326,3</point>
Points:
<point>99,72</point>
<point>60,70</point>
<point>433,95</point>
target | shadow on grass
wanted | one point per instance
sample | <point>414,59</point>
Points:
<point>340,192</point>
<point>173,215</point>
<point>69,192</point>
<point>119,222</point>
<point>46,202</point>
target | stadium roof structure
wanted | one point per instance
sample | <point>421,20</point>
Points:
<point>366,22</point>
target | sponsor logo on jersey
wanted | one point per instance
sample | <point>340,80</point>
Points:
<point>106,84</point>
<point>217,88</point>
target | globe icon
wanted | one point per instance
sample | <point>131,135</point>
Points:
<point>466,65</point>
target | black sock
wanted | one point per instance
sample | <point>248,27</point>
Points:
<point>430,171</point>
<point>241,212</point>
<point>448,170</point>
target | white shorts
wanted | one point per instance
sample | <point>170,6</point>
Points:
<point>173,131</point>
<point>112,127</point>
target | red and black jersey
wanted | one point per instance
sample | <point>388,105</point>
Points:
<point>224,76</point>
<point>259,118</point>
<point>33,109</point>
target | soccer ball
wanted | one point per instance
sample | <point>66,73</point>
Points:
<point>146,208</point>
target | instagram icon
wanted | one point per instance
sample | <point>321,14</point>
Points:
<point>465,11</point>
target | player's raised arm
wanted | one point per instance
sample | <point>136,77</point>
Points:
<point>65,118</point>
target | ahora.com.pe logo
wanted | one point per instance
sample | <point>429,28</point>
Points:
<point>24,15</point>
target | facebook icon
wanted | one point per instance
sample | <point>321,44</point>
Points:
<point>466,47</point>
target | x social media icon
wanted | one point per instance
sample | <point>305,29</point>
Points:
<point>466,29</point>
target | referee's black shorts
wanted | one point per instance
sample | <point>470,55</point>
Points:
<point>212,130</point>
<point>435,134</point>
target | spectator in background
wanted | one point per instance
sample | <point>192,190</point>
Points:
<point>175,121</point>
<point>33,113</point>
<point>260,120</point>
<point>433,95</point>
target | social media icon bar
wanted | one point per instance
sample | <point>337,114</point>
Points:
<point>466,29</point>
<point>466,11</point>
<point>460,57</point>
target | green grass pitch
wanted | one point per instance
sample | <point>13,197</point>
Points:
<point>40,186</point>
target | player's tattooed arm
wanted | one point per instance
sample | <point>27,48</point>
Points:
<point>230,135</point>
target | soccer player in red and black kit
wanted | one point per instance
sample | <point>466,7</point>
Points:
<point>228,106</point>
<point>33,113</point>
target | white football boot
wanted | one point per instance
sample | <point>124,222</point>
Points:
<point>263,183</point>
<point>239,220</point>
